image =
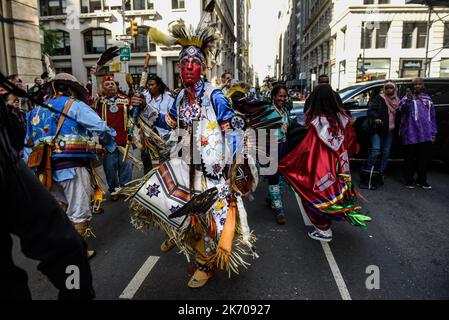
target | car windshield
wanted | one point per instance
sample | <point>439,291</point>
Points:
<point>347,92</point>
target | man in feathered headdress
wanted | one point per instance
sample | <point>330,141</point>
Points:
<point>113,108</point>
<point>215,231</point>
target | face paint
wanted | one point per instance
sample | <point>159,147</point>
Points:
<point>191,70</point>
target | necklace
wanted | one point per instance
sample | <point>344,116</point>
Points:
<point>36,120</point>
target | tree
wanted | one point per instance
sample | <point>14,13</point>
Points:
<point>50,42</point>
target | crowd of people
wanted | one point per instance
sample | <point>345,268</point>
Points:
<point>64,133</point>
<point>54,142</point>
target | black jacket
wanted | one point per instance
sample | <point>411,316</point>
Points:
<point>378,109</point>
<point>31,213</point>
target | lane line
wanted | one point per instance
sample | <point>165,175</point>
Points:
<point>303,212</point>
<point>344,292</point>
<point>139,278</point>
<point>342,288</point>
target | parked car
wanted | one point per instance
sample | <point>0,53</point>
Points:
<point>356,98</point>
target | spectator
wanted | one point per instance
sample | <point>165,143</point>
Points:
<point>382,111</point>
<point>418,132</point>
<point>226,81</point>
<point>45,232</point>
<point>323,79</point>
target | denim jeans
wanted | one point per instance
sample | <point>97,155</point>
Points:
<point>118,173</point>
<point>380,150</point>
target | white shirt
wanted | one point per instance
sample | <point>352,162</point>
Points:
<point>155,107</point>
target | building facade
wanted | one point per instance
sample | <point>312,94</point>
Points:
<point>88,27</point>
<point>20,48</point>
<point>360,40</point>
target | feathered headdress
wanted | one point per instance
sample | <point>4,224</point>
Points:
<point>202,38</point>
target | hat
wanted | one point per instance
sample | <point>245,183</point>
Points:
<point>72,82</point>
<point>108,77</point>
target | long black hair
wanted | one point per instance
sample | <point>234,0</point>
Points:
<point>324,103</point>
<point>160,84</point>
<point>276,89</point>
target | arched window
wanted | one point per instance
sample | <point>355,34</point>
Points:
<point>142,42</point>
<point>62,47</point>
<point>96,41</point>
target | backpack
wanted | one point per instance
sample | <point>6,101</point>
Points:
<point>370,179</point>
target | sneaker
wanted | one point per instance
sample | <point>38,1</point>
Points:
<point>410,185</point>
<point>425,186</point>
<point>321,235</point>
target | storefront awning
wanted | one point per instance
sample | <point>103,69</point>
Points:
<point>431,3</point>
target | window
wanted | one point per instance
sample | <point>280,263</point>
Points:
<point>414,35</point>
<point>375,37</point>
<point>141,43</point>
<point>88,6</point>
<point>446,35</point>
<point>52,7</point>
<point>439,91</point>
<point>444,68</point>
<point>411,68</point>
<point>364,98</point>
<point>97,41</point>
<point>136,73</point>
<point>142,5</point>
<point>422,35</point>
<point>62,47</point>
<point>367,37</point>
<point>178,4</point>
<point>382,35</point>
<point>373,69</point>
<point>407,35</point>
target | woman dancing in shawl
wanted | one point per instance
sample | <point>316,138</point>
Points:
<point>318,168</point>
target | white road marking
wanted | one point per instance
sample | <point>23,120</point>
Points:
<point>344,292</point>
<point>303,212</point>
<point>139,278</point>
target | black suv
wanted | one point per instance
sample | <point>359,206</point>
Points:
<point>357,97</point>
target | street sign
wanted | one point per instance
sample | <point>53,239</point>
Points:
<point>124,37</point>
<point>125,54</point>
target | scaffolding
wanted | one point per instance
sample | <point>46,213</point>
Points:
<point>431,4</point>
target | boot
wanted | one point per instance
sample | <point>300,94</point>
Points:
<point>85,231</point>
<point>167,246</point>
<point>276,203</point>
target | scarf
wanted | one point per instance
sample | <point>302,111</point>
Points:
<point>392,102</point>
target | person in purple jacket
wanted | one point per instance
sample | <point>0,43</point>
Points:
<point>418,132</point>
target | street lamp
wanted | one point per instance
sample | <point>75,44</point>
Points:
<point>362,68</point>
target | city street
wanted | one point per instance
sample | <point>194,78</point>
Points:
<point>407,241</point>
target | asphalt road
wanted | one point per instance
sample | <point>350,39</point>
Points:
<point>408,242</point>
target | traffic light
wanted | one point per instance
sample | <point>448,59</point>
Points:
<point>134,28</point>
